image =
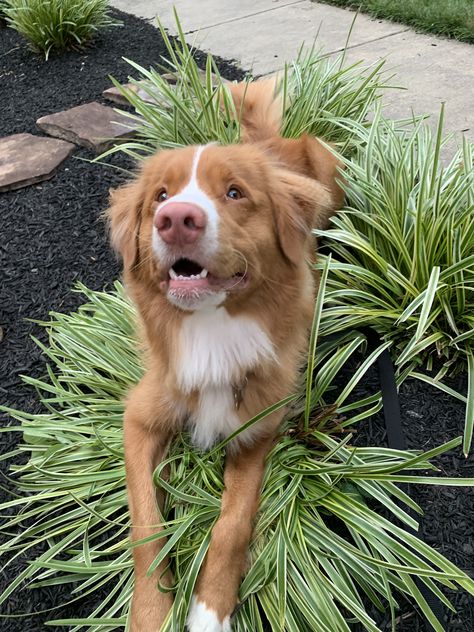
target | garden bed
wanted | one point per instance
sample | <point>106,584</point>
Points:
<point>53,236</point>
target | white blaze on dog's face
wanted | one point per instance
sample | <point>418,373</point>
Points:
<point>187,223</point>
<point>208,224</point>
<point>204,234</point>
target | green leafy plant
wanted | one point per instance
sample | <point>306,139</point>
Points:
<point>404,242</point>
<point>58,24</point>
<point>321,549</point>
<point>403,252</point>
<point>3,6</point>
<point>317,503</point>
<point>326,98</point>
<point>320,97</point>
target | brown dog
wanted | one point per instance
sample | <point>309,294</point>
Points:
<point>216,248</point>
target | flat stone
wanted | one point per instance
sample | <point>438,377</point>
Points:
<point>92,125</point>
<point>144,89</point>
<point>26,159</point>
<point>115,95</point>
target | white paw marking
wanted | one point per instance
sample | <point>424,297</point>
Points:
<point>203,619</point>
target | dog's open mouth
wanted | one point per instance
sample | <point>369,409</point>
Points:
<point>187,270</point>
<point>186,275</point>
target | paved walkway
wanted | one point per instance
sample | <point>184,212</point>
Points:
<point>261,35</point>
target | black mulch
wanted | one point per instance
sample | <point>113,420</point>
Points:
<point>52,236</point>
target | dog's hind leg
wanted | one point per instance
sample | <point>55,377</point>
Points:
<point>217,588</point>
<point>147,430</point>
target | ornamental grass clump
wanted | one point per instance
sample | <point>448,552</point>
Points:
<point>320,552</point>
<point>3,6</point>
<point>404,243</point>
<point>324,554</point>
<point>403,252</point>
<point>58,25</point>
<point>320,96</point>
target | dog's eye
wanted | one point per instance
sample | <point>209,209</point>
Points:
<point>234,193</point>
<point>162,195</point>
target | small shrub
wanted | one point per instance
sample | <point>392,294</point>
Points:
<point>321,97</point>
<point>58,24</point>
<point>320,552</point>
<point>404,244</point>
<point>403,252</point>
<point>3,21</point>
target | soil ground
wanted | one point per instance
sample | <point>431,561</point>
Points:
<point>52,235</point>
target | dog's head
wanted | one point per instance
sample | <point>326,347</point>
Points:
<point>207,224</point>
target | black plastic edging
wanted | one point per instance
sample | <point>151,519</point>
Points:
<point>396,440</point>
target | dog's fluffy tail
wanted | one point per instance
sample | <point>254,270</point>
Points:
<point>259,109</point>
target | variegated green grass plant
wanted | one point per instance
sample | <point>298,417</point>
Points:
<point>320,551</point>
<point>58,25</point>
<point>304,573</point>
<point>403,252</point>
<point>320,96</point>
<point>403,245</point>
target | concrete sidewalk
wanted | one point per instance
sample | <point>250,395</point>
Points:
<point>261,35</point>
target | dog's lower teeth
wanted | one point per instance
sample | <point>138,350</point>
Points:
<point>187,277</point>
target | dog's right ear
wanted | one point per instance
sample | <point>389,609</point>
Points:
<point>124,217</point>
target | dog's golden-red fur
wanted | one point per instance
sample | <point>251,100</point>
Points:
<point>247,310</point>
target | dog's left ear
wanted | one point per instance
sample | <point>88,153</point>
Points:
<point>310,157</point>
<point>297,203</point>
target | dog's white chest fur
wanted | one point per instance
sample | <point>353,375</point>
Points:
<point>216,350</point>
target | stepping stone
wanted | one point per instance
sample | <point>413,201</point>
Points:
<point>92,125</point>
<point>114,94</point>
<point>26,159</point>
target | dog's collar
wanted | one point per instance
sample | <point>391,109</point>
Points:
<point>238,392</point>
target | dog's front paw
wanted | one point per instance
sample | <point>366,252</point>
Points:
<point>202,618</point>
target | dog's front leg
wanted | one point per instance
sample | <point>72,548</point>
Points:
<point>218,584</point>
<point>148,425</point>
